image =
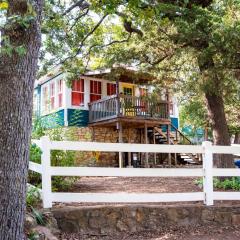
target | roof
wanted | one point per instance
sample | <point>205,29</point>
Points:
<point>123,74</point>
<point>50,75</point>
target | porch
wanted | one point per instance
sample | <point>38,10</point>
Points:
<point>128,110</point>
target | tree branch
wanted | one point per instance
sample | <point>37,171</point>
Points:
<point>108,44</point>
<point>128,25</point>
<point>82,4</point>
<point>77,19</point>
<point>85,38</point>
<point>91,32</point>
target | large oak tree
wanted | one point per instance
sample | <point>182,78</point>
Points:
<point>20,43</point>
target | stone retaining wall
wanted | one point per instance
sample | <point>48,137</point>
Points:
<point>109,219</point>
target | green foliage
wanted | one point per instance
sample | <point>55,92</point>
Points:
<point>33,236</point>
<point>58,157</point>
<point>33,196</point>
<point>226,184</point>
<point>35,153</point>
<point>14,24</point>
<point>38,216</point>
<point>193,113</point>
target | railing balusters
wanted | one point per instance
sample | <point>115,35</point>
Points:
<point>129,106</point>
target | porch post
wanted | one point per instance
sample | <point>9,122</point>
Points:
<point>168,103</point>
<point>117,94</point>
<point>146,142</point>
<point>119,127</point>
<point>154,141</point>
<point>129,153</point>
<point>168,142</point>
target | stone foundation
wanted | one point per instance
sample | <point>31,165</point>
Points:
<point>107,135</point>
<point>109,219</point>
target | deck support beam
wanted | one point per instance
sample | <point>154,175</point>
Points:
<point>120,140</point>
<point>129,154</point>
<point>146,141</point>
<point>154,142</point>
<point>168,142</point>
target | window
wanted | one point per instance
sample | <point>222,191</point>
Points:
<point>128,91</point>
<point>111,89</point>
<point>78,92</point>
<point>52,95</point>
<point>60,92</point>
<point>45,99</point>
<point>95,90</point>
<point>143,91</point>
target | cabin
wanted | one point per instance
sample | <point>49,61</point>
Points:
<point>111,105</point>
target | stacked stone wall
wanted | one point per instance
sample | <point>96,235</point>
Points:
<point>107,135</point>
<point>110,219</point>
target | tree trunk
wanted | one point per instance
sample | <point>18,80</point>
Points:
<point>216,112</point>
<point>237,138</point>
<point>206,133</point>
<point>17,75</point>
<point>219,127</point>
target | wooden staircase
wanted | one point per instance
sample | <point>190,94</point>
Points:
<point>159,136</point>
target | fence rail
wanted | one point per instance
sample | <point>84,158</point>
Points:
<point>207,172</point>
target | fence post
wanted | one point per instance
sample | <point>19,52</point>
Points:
<point>207,173</point>
<point>46,174</point>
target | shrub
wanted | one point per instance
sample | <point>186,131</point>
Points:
<point>228,183</point>
<point>58,157</point>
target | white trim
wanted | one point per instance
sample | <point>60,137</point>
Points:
<point>35,167</point>
<point>127,197</point>
<point>225,149</point>
<point>87,93</point>
<point>226,195</point>
<point>126,172</point>
<point>124,147</point>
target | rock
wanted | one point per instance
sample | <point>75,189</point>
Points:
<point>113,217</point>
<point>122,227</point>
<point>207,216</point>
<point>44,233</point>
<point>236,219</point>
<point>30,222</point>
<point>139,216</point>
<point>68,225</point>
<point>223,217</point>
<point>96,222</point>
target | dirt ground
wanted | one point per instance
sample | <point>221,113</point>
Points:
<point>174,233</point>
<point>135,184</point>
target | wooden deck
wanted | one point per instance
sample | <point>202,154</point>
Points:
<point>128,110</point>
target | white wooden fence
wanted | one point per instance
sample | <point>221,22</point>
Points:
<point>207,172</point>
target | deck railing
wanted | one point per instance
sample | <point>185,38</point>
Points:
<point>207,172</point>
<point>129,106</point>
